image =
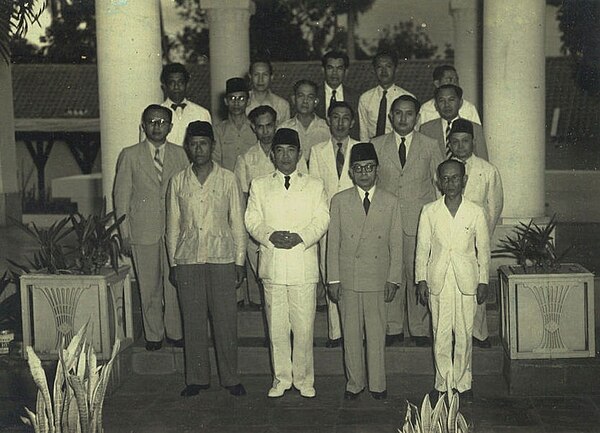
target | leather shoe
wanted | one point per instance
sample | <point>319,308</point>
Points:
<point>336,342</point>
<point>349,395</point>
<point>176,343</point>
<point>483,344</point>
<point>153,345</point>
<point>389,339</point>
<point>308,392</point>
<point>379,395</point>
<point>277,392</point>
<point>422,341</point>
<point>192,390</point>
<point>236,390</point>
<point>466,395</point>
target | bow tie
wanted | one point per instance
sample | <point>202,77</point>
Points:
<point>174,107</point>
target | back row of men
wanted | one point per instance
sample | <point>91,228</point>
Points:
<point>405,162</point>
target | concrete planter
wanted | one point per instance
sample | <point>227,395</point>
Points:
<point>54,307</point>
<point>545,316</point>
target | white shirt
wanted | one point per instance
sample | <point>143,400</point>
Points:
<point>317,132</point>
<point>183,117</point>
<point>368,109</point>
<point>361,193</point>
<point>161,150</point>
<point>428,112</point>
<point>339,95</point>
<point>407,141</point>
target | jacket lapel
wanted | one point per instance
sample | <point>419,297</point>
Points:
<point>147,162</point>
<point>392,150</point>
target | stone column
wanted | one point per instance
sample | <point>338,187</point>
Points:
<point>229,27</point>
<point>10,202</point>
<point>129,66</point>
<point>467,44</point>
<point>514,102</point>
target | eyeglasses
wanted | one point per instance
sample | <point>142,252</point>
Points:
<point>363,168</point>
<point>159,121</point>
<point>240,98</point>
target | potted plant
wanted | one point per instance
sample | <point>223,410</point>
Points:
<point>547,306</point>
<point>75,277</point>
<point>443,418</point>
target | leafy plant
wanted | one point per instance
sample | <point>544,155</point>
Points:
<point>78,391</point>
<point>442,418</point>
<point>533,247</point>
<point>98,242</point>
<point>10,304</point>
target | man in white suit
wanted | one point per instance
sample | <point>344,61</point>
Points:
<point>484,187</point>
<point>330,162</point>
<point>451,268</point>
<point>287,214</point>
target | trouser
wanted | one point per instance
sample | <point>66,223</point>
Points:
<point>364,312</point>
<point>452,312</point>
<point>209,289</point>
<point>334,328</point>
<point>252,285</point>
<point>152,271</point>
<point>291,308</point>
<point>406,298</point>
<point>480,326</point>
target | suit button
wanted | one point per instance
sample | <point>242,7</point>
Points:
<point>358,257</point>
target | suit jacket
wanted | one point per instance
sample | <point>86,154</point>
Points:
<point>139,195</point>
<point>301,209</point>
<point>414,184</point>
<point>323,166</point>
<point>435,130</point>
<point>461,242</point>
<point>350,96</point>
<point>365,251</point>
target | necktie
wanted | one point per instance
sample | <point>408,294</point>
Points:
<point>448,148</point>
<point>174,107</point>
<point>286,183</point>
<point>339,160</point>
<point>382,115</point>
<point>366,203</point>
<point>332,99</point>
<point>158,165</point>
<point>402,151</point>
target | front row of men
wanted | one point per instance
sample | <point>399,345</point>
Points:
<point>370,248</point>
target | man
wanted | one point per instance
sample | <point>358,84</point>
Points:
<point>446,74</point>
<point>311,128</point>
<point>335,66</point>
<point>364,258</point>
<point>174,80</point>
<point>206,243</point>
<point>330,163</point>
<point>143,173</point>
<point>287,214</point>
<point>261,76</point>
<point>234,135</point>
<point>374,104</point>
<point>408,162</point>
<point>448,99</point>
<point>484,188</point>
<point>452,264</point>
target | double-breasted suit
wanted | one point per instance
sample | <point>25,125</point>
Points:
<point>140,196</point>
<point>350,96</point>
<point>364,252</point>
<point>453,256</point>
<point>435,129</point>
<point>289,275</point>
<point>323,165</point>
<point>414,185</point>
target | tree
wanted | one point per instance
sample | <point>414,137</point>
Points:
<point>15,18</point>
<point>408,41</point>
<point>352,8</point>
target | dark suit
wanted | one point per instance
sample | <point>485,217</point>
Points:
<point>414,185</point>
<point>435,129</point>
<point>350,96</point>
<point>364,252</point>
<point>140,196</point>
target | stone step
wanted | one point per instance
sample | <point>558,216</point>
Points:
<point>252,323</point>
<point>254,358</point>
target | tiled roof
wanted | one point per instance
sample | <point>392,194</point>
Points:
<point>70,91</point>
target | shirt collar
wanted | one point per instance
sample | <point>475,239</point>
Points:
<point>153,148</point>
<point>361,192</point>
<point>407,138</point>
<point>168,102</point>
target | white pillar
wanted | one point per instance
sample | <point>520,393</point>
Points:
<point>514,101</point>
<point>467,53</point>
<point>229,27</point>
<point>129,66</point>
<point>10,202</point>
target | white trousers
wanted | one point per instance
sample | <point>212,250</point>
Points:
<point>452,312</point>
<point>291,309</point>
<point>334,326</point>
